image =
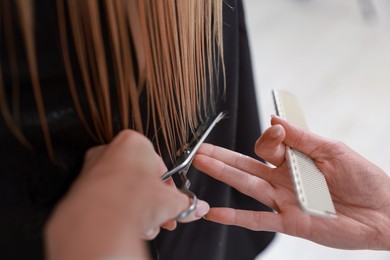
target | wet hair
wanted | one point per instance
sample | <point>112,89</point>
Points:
<point>170,52</point>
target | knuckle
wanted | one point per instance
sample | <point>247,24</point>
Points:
<point>132,138</point>
<point>92,152</point>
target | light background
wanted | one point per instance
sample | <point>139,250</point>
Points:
<point>335,55</point>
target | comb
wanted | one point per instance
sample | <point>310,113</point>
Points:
<point>309,182</point>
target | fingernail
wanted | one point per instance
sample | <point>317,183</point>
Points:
<point>202,208</point>
<point>151,233</point>
<point>276,131</point>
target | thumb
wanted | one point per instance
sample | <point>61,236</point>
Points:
<point>161,209</point>
<point>168,205</point>
<point>270,146</point>
<point>299,138</point>
<point>174,203</point>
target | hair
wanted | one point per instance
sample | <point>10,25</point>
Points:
<point>169,51</point>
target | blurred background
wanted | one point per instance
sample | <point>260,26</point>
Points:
<point>335,55</point>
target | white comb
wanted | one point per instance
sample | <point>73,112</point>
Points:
<point>310,184</point>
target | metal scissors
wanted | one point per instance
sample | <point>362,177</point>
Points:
<point>184,163</point>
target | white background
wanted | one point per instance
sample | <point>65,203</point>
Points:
<point>335,55</point>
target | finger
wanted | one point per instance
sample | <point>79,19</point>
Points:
<point>166,207</point>
<point>92,155</point>
<point>270,145</point>
<point>167,210</point>
<point>169,225</point>
<point>299,138</point>
<point>253,220</point>
<point>150,233</point>
<point>128,139</point>
<point>248,184</point>
<point>202,208</point>
<point>235,160</point>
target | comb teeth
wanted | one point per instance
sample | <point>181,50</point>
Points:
<point>310,184</point>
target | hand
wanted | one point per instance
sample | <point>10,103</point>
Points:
<point>117,199</point>
<point>360,190</point>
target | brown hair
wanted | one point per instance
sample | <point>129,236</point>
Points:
<point>170,50</point>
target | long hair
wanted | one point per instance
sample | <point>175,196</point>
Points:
<point>170,52</point>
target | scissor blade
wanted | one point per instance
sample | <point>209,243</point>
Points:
<point>191,151</point>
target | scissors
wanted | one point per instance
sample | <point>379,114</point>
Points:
<point>184,163</point>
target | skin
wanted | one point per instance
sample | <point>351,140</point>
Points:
<point>117,200</point>
<point>360,190</point>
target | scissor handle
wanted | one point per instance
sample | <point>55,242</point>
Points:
<point>194,200</point>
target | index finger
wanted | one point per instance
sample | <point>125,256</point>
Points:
<point>237,160</point>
